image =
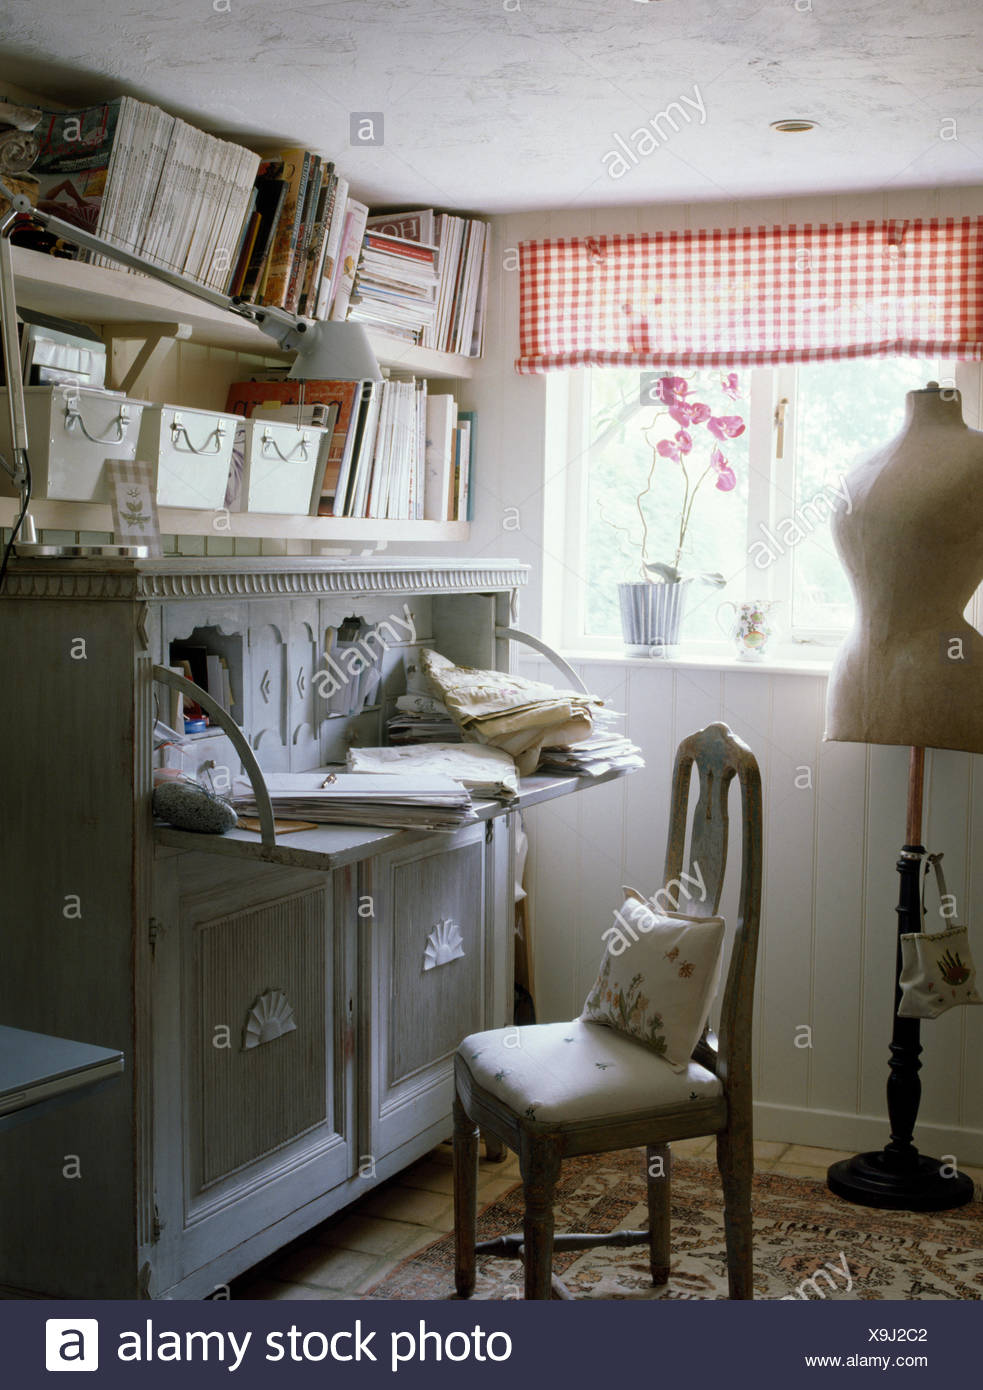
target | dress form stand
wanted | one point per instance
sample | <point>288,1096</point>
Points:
<point>911,542</point>
<point>898,1176</point>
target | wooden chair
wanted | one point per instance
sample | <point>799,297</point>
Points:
<point>652,1105</point>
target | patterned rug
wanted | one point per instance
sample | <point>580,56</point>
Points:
<point>808,1243</point>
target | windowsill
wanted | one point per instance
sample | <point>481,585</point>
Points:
<point>819,661</point>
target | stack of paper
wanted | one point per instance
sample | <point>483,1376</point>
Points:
<point>427,802</point>
<point>593,756</point>
<point>484,771</point>
<point>421,719</point>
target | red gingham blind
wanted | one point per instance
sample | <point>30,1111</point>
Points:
<point>753,296</point>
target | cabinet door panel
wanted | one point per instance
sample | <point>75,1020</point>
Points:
<point>260,985</point>
<point>429,961</point>
<point>253,1038</point>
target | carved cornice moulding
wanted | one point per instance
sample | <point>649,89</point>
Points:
<point>267,578</point>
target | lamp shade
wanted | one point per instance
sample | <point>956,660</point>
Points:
<point>338,351</point>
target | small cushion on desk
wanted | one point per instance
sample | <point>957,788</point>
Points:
<point>556,1073</point>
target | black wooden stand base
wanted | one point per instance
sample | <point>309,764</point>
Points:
<point>898,1176</point>
<point>871,1180</point>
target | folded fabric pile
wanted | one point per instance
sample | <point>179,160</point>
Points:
<point>484,771</point>
<point>421,719</point>
<point>518,715</point>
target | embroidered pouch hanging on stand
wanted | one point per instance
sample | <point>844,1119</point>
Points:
<point>937,969</point>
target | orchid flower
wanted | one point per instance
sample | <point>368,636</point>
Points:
<point>668,449</point>
<point>725,426</point>
<point>672,392</point>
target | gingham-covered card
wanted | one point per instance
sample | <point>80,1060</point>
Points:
<point>131,485</point>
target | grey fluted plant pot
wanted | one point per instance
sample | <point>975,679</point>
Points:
<point>650,616</point>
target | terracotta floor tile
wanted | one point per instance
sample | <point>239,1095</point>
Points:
<point>274,1289</point>
<point>491,1191</point>
<point>767,1150</point>
<point>431,1176</point>
<point>325,1267</point>
<point>372,1235</point>
<point>807,1153</point>
<point>433,1209</point>
<point>693,1148</point>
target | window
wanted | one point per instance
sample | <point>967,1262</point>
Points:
<point>768,534</point>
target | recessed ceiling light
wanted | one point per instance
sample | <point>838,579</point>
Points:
<point>796,126</point>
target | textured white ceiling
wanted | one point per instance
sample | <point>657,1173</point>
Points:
<point>499,105</point>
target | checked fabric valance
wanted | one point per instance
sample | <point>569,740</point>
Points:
<point>753,296</point>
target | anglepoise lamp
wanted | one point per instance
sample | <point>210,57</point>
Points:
<point>336,351</point>
<point>909,674</point>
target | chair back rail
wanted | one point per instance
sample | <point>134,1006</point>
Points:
<point>719,757</point>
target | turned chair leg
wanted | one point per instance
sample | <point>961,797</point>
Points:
<point>540,1165</point>
<point>465,1200</point>
<point>658,1162</point>
<point>735,1159</point>
<point>496,1150</point>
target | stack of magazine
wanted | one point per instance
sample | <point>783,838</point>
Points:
<point>426,802</point>
<point>396,286</point>
<point>148,182</point>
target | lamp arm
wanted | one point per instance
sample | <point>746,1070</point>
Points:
<point>15,466</point>
<point>286,328</point>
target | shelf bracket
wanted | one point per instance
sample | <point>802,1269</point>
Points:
<point>154,336</point>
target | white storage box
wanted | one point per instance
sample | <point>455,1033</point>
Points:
<point>192,450</point>
<point>71,432</point>
<point>282,467</point>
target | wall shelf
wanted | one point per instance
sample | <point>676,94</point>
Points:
<point>101,295</point>
<point>184,521</point>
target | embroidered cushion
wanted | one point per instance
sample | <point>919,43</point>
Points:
<point>657,978</point>
<point>556,1073</point>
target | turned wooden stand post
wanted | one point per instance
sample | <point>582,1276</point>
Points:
<point>898,1176</point>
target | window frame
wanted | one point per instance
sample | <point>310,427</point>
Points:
<point>771,498</point>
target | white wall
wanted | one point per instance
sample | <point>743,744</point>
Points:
<point>827,955</point>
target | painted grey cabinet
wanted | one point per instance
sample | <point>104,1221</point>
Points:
<point>288,1013</point>
<point>253,1041</point>
<point>426,944</point>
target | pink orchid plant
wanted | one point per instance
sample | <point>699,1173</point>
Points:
<point>689,416</point>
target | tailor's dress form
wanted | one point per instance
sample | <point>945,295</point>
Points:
<point>911,670</point>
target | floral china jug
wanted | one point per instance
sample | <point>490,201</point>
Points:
<point>751,627</point>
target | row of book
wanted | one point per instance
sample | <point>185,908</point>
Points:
<point>423,277</point>
<point>302,239</point>
<point>398,451</point>
<point>284,232</point>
